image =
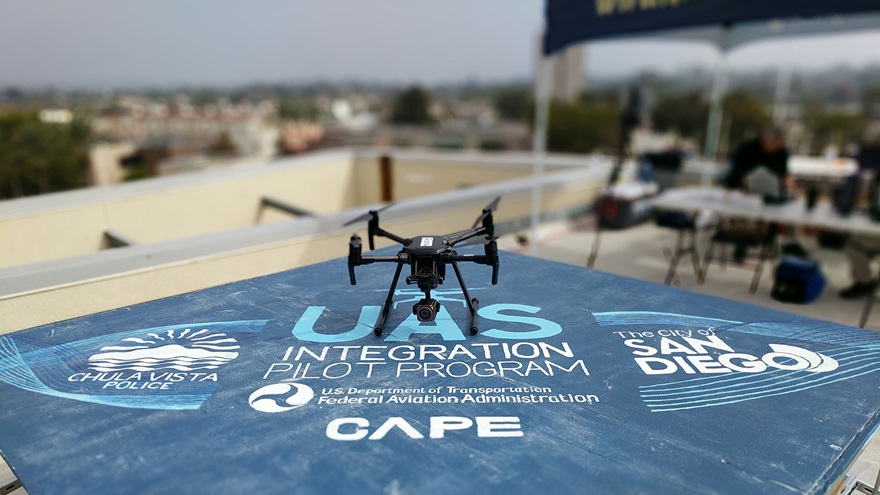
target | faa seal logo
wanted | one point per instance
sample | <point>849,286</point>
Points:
<point>280,397</point>
<point>170,367</point>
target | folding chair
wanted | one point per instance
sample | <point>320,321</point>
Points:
<point>687,226</point>
<point>748,234</point>
<point>869,301</point>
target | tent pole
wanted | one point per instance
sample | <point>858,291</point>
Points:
<point>539,144</point>
<point>716,109</point>
<point>783,88</point>
<point>716,115</point>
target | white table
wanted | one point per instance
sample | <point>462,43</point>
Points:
<point>735,204</point>
<point>820,168</point>
<point>739,205</point>
<point>804,169</point>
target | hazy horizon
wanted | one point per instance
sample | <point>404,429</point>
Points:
<point>93,44</point>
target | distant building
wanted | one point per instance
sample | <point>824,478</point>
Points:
<point>297,137</point>
<point>454,135</point>
<point>189,129</point>
<point>155,138</point>
<point>568,73</point>
<point>567,68</point>
<point>56,116</point>
<point>106,162</point>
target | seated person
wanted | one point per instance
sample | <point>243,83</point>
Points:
<point>767,151</point>
<point>858,250</point>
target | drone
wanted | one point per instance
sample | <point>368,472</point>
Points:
<point>427,257</point>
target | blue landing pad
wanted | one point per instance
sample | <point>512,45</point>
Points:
<point>578,382</point>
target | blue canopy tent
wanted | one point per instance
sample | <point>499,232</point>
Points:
<point>724,23</point>
<point>574,21</point>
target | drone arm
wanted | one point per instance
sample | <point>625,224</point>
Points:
<point>384,233</point>
<point>374,230</point>
<point>479,259</point>
<point>465,235</point>
<point>490,258</point>
<point>366,260</point>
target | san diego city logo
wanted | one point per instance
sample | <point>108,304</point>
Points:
<point>726,376</point>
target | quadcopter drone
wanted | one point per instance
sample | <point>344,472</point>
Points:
<point>427,257</point>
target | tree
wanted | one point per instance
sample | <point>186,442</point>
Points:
<point>223,145</point>
<point>686,114</point>
<point>295,109</point>
<point>746,115</point>
<point>584,126</point>
<point>411,107</point>
<point>833,128</point>
<point>38,158</point>
<point>514,104</point>
<point>871,101</point>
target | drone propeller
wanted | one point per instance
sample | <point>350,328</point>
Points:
<point>368,215</point>
<point>477,234</point>
<point>477,241</point>
<point>372,218</point>
<point>487,211</point>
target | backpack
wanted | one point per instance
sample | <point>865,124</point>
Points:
<point>798,281</point>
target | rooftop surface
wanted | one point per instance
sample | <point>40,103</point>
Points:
<point>640,252</point>
<point>643,252</point>
<point>561,399</point>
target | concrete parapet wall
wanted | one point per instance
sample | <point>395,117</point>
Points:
<point>55,290</point>
<point>73,223</point>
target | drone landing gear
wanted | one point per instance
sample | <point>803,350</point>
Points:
<point>473,307</point>
<point>377,328</point>
<point>471,302</point>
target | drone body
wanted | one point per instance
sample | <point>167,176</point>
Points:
<point>427,257</point>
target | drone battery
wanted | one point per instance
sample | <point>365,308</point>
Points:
<point>627,204</point>
<point>425,269</point>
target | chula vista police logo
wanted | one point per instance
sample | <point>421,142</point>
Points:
<point>187,350</point>
<point>170,367</point>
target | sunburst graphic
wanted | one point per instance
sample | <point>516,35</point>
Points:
<point>185,350</point>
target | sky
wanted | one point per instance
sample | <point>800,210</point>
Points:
<point>148,43</point>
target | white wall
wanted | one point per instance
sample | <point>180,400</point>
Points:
<point>192,238</point>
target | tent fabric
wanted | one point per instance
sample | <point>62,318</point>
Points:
<point>743,33</point>
<point>573,21</point>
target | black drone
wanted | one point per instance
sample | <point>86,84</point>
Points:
<point>427,257</point>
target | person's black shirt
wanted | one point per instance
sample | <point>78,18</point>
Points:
<point>751,155</point>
